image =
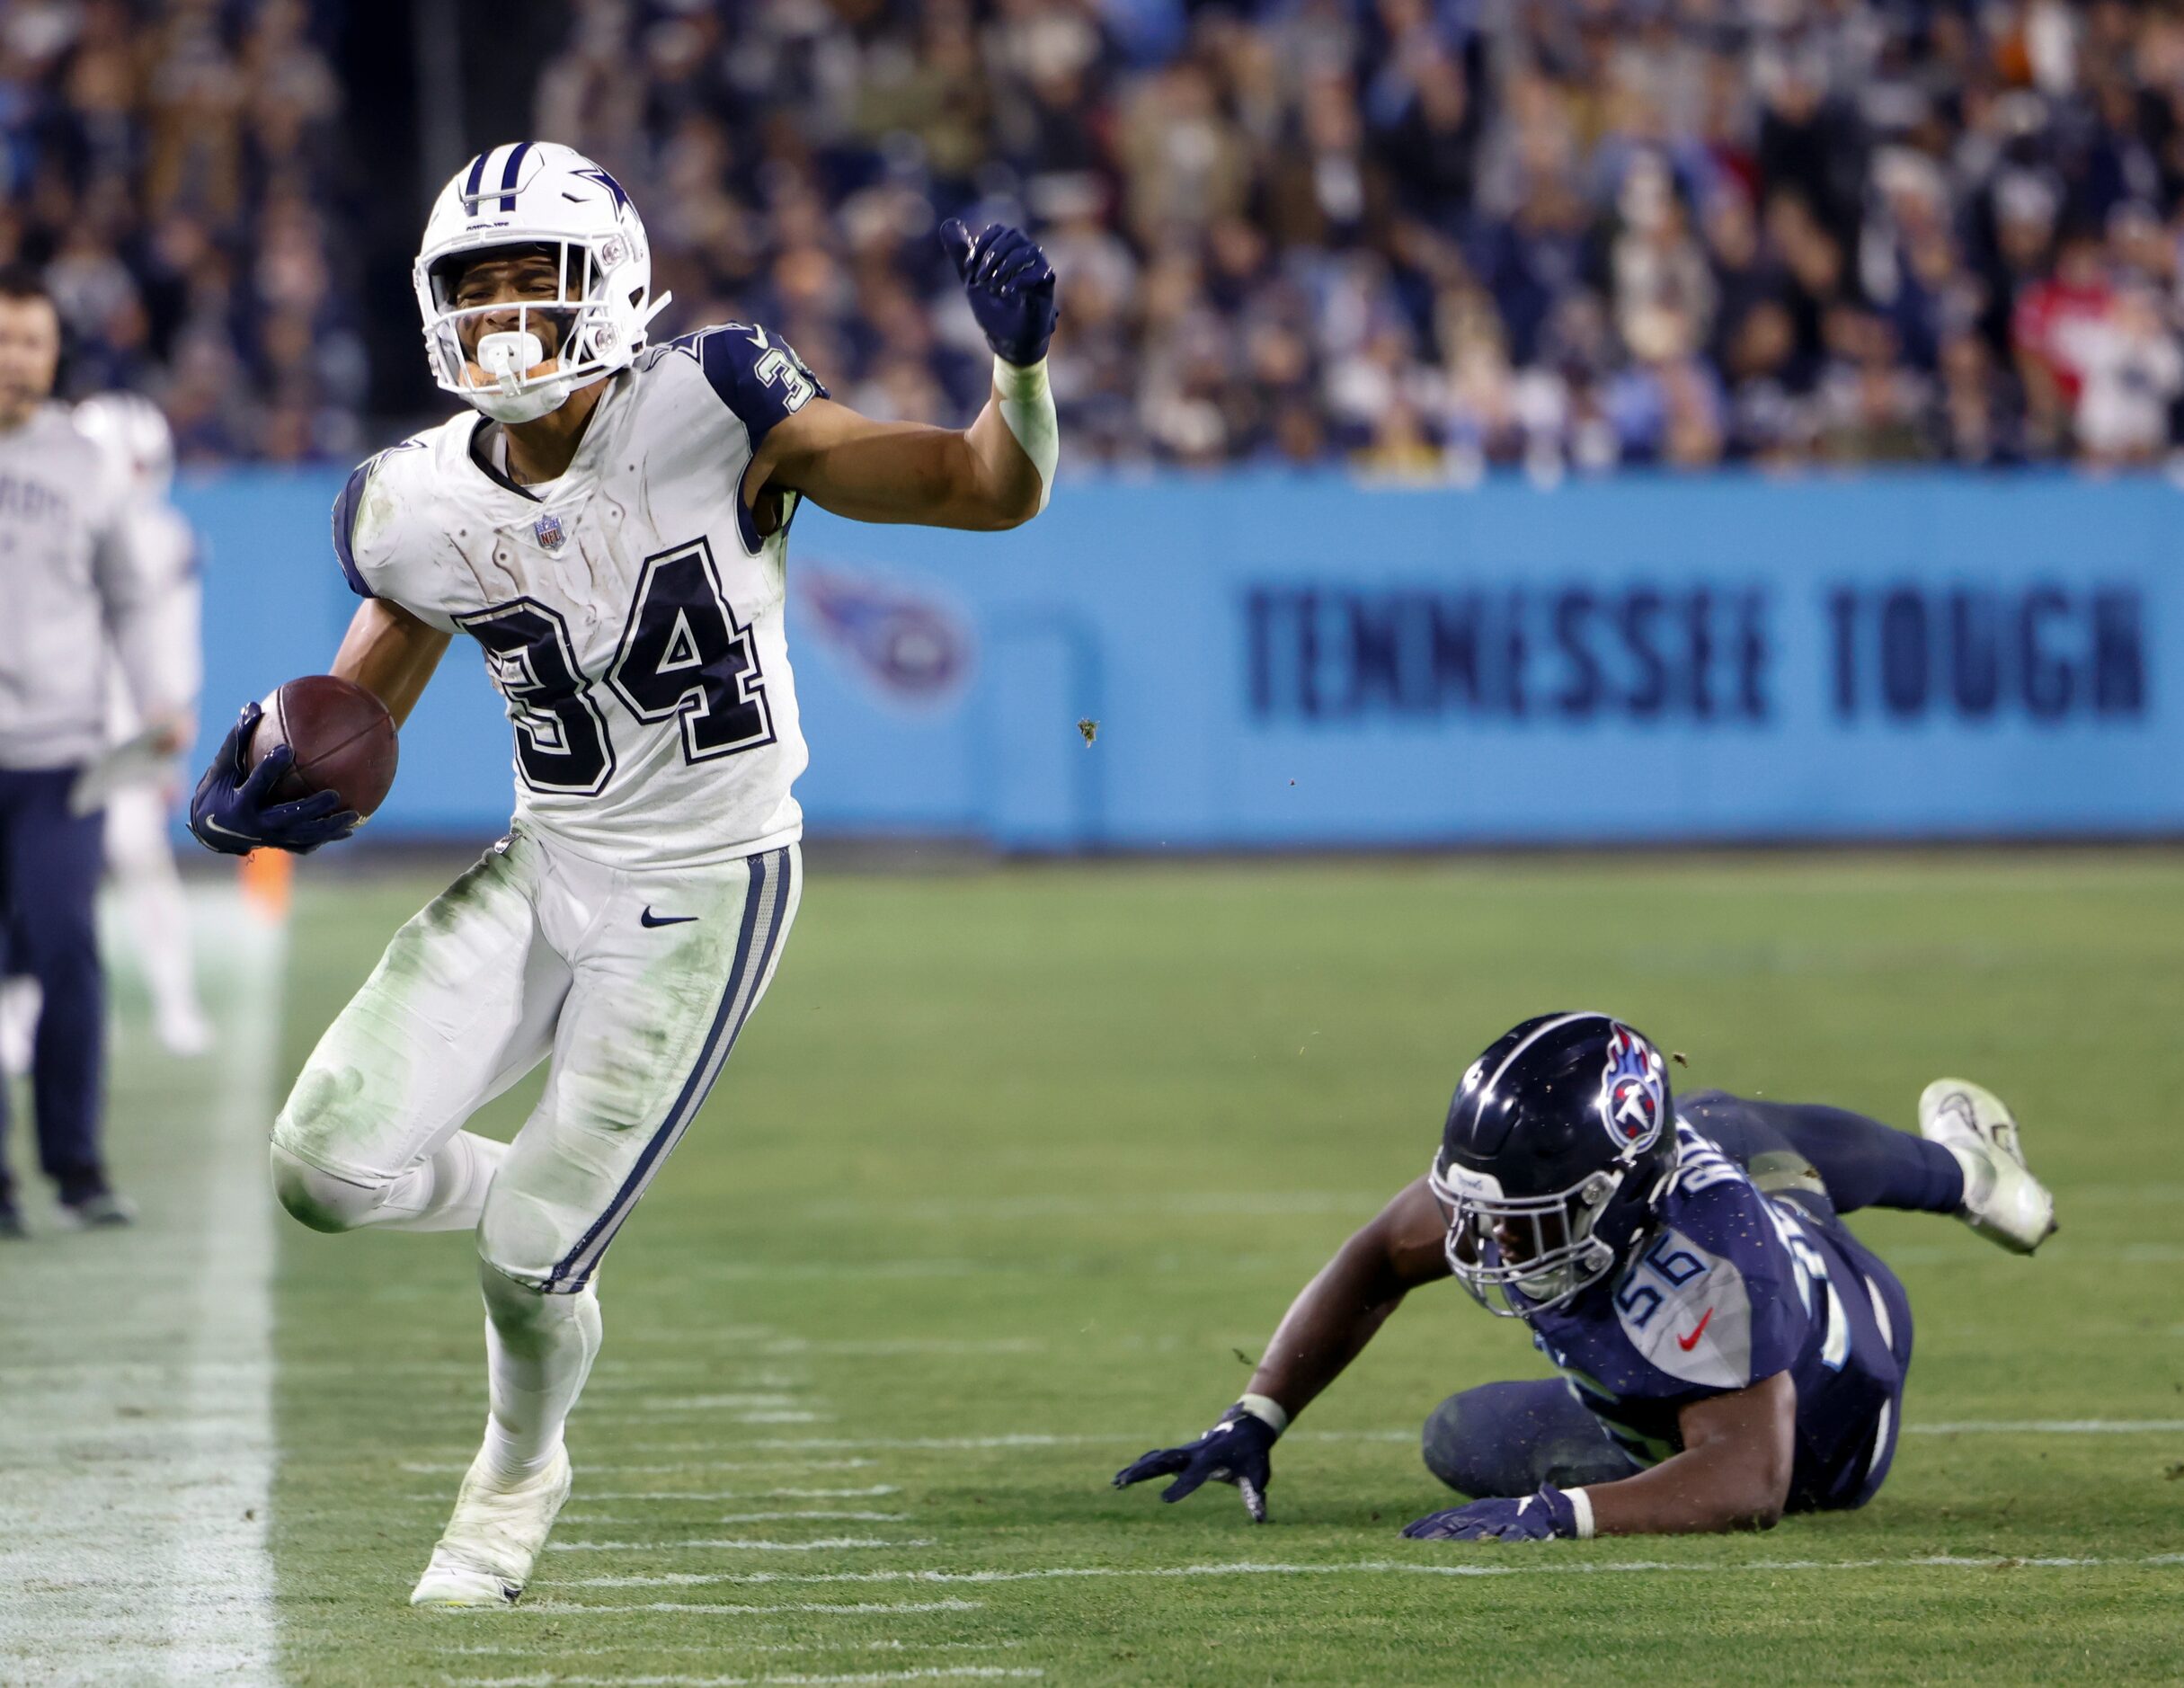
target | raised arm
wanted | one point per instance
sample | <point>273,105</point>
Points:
<point>995,473</point>
<point>1327,1327</point>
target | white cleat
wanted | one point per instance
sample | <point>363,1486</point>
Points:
<point>485,1556</point>
<point>2003,1201</point>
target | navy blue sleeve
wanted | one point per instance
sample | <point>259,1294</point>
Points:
<point>345,524</point>
<point>759,377</point>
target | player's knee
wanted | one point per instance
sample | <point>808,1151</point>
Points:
<point>316,1198</point>
<point>1454,1441</point>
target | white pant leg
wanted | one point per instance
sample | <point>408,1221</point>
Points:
<point>140,860</point>
<point>667,968</point>
<point>461,1005</point>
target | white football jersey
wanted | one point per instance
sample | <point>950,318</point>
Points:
<point>629,612</point>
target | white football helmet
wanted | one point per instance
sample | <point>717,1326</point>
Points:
<point>542,195</point>
<point>131,433</point>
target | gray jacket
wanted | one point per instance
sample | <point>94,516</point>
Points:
<point>69,582</point>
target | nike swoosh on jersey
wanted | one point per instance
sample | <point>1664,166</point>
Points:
<point>649,919</point>
<point>1688,1343</point>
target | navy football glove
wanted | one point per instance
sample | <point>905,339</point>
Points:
<point>229,813</point>
<point>1010,286</point>
<point>1235,1451</point>
<point>1538,1517</point>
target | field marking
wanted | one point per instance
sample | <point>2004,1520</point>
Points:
<point>834,1514</point>
<point>886,1345</point>
<point>746,1544</point>
<point>1040,1439</point>
<point>165,1495</point>
<point>1207,1204</point>
<point>561,1650</point>
<point>438,1467</point>
<point>1368,1568</point>
<point>872,1490</point>
<point>928,1672</point>
<point>852,1608</point>
<point>2049,1427</point>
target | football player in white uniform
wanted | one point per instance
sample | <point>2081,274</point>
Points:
<point>140,448</point>
<point>611,531</point>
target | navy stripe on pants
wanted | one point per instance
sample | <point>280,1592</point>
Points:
<point>49,866</point>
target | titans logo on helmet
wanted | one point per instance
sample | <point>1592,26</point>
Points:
<point>1631,1102</point>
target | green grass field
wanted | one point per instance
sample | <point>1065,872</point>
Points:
<point>1013,1171</point>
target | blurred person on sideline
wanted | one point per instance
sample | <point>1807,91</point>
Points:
<point>72,584</point>
<point>144,788</point>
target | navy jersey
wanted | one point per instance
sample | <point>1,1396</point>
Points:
<point>1733,1287</point>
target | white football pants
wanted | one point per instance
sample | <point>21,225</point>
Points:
<point>636,981</point>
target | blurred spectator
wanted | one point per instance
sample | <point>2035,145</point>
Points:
<point>1433,236</point>
<point>170,167</point>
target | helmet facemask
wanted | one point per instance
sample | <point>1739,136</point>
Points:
<point>508,373</point>
<point>1553,1253</point>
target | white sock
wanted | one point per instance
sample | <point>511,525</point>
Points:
<point>159,918</point>
<point>446,1191</point>
<point>539,1352</point>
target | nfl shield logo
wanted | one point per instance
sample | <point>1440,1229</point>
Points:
<point>548,530</point>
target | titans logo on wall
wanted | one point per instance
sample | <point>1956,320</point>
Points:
<point>910,648</point>
<point>1631,1094</point>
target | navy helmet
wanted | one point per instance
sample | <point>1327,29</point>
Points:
<point>1557,1138</point>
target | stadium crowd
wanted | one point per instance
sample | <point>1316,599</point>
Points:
<point>1432,234</point>
<point>168,166</point>
<point>1424,235</point>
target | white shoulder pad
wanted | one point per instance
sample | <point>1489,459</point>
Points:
<point>390,520</point>
<point>1687,1311</point>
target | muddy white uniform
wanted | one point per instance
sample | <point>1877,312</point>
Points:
<point>632,616</point>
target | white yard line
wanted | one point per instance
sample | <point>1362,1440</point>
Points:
<point>791,1515</point>
<point>561,1649</point>
<point>1368,1568</point>
<point>930,1672</point>
<point>2049,1427</point>
<point>1038,1439</point>
<point>136,1406</point>
<point>432,1467</point>
<point>741,1544</point>
<point>851,1608</point>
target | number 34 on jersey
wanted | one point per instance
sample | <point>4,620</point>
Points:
<point>631,616</point>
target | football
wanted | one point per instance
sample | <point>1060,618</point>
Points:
<point>344,738</point>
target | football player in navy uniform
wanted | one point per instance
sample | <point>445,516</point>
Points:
<point>1729,1351</point>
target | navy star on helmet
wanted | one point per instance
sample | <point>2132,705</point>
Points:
<point>535,196</point>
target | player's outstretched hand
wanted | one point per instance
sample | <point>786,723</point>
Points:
<point>1235,1451</point>
<point>230,814</point>
<point>1539,1518</point>
<point>1010,286</point>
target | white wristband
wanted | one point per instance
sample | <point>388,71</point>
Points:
<point>1581,1508</point>
<point>1027,406</point>
<point>1266,1411</point>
